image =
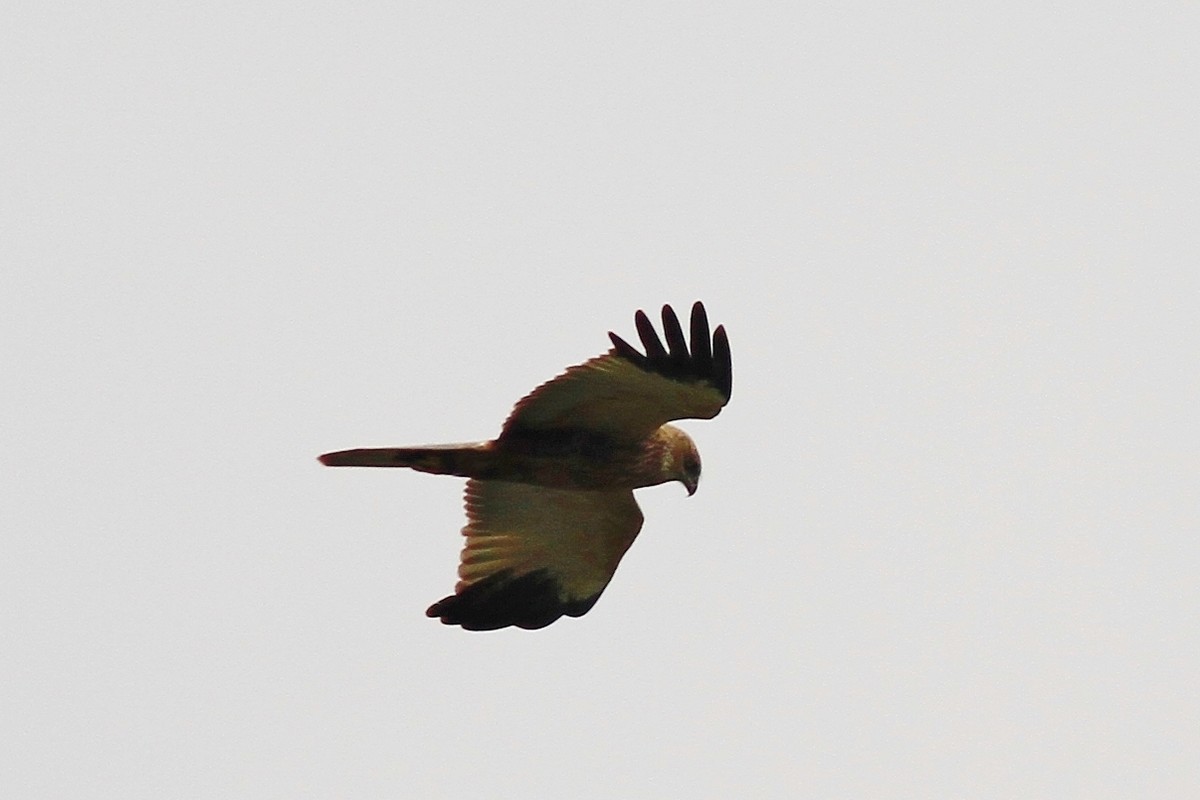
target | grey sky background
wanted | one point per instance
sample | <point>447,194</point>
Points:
<point>946,541</point>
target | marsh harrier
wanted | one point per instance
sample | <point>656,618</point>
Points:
<point>550,507</point>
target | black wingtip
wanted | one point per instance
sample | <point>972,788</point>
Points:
<point>627,351</point>
<point>529,601</point>
<point>708,358</point>
<point>676,343</point>
<point>722,362</point>
<point>645,328</point>
<point>701,341</point>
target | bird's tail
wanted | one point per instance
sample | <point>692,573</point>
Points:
<point>465,460</point>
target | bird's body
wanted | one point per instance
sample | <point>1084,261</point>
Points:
<point>550,501</point>
<point>558,459</point>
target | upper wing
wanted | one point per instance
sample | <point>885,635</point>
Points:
<point>535,553</point>
<point>628,395</point>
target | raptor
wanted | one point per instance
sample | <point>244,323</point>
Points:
<point>550,505</point>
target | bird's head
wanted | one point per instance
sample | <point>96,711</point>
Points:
<point>681,459</point>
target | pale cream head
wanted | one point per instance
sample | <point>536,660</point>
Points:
<point>681,460</point>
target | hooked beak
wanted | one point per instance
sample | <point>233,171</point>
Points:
<point>691,486</point>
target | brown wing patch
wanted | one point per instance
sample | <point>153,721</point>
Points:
<point>534,554</point>
<point>626,394</point>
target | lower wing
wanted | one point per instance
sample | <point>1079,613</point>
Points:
<point>534,554</point>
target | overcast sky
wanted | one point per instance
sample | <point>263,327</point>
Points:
<point>947,539</point>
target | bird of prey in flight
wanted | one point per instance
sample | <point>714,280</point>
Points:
<point>550,507</point>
